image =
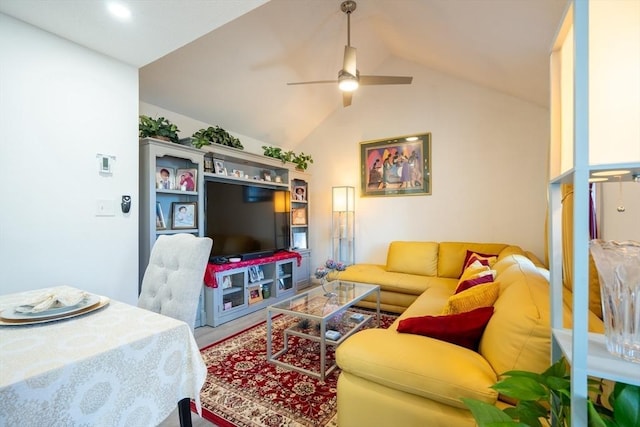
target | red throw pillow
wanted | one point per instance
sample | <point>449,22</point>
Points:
<point>484,259</point>
<point>463,329</point>
<point>466,284</point>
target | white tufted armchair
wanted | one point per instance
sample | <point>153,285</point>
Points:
<point>173,279</point>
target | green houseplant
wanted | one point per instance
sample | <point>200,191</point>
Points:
<point>301,160</point>
<point>534,392</point>
<point>215,135</point>
<point>159,128</point>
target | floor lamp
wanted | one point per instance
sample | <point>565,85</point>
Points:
<point>343,224</point>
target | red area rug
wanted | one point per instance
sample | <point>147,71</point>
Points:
<point>243,390</point>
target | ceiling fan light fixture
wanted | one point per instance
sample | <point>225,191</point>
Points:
<point>347,82</point>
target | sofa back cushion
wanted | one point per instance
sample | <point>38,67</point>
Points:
<point>452,255</point>
<point>413,258</point>
<point>518,334</point>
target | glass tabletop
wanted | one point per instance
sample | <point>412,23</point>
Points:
<point>323,302</point>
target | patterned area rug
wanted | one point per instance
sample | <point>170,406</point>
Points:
<point>242,389</point>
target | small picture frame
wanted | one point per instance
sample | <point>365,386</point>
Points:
<point>254,276</point>
<point>299,194</point>
<point>187,179</point>
<point>255,295</point>
<point>299,216</point>
<point>237,173</point>
<point>184,215</point>
<point>160,223</point>
<point>267,176</point>
<point>165,178</point>
<point>219,167</point>
<point>226,282</point>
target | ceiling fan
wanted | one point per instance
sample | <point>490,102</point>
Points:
<point>349,77</point>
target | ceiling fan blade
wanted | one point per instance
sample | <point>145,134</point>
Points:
<point>349,64</point>
<point>346,98</point>
<point>313,82</point>
<point>385,80</point>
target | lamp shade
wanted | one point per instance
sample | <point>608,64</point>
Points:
<point>343,199</point>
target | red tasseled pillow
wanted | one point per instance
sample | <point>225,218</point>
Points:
<point>463,329</point>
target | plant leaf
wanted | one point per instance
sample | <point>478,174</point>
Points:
<point>595,420</point>
<point>522,387</point>
<point>487,415</point>
<point>626,406</point>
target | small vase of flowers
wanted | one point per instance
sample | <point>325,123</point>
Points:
<point>323,272</point>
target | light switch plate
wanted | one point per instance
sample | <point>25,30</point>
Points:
<point>105,208</point>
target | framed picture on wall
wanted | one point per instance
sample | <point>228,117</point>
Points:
<point>397,166</point>
<point>184,214</point>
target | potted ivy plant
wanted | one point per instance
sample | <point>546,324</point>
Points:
<point>159,128</point>
<point>301,160</point>
<point>215,135</point>
<point>534,392</point>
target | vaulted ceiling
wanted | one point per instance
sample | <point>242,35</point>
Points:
<point>227,62</point>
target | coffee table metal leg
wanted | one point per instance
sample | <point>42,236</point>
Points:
<point>323,349</point>
<point>378,307</point>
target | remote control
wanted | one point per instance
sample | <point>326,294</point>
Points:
<point>332,335</point>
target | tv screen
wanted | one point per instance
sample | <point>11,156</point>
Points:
<point>245,219</point>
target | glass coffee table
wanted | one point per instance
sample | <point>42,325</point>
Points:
<point>326,313</point>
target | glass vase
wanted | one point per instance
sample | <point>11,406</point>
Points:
<point>618,265</point>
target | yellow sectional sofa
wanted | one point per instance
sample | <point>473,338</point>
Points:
<point>401,379</point>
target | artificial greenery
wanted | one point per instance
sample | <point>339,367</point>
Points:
<point>534,392</point>
<point>301,160</point>
<point>304,324</point>
<point>157,128</point>
<point>215,135</point>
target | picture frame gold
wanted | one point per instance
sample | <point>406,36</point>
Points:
<point>397,166</point>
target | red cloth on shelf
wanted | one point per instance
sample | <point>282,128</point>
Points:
<point>212,269</point>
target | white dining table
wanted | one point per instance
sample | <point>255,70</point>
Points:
<point>119,365</point>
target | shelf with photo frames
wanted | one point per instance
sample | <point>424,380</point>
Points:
<point>245,289</point>
<point>233,165</point>
<point>300,226</point>
<point>171,200</point>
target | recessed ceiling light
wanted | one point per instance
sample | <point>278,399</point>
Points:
<point>412,138</point>
<point>598,179</point>
<point>610,173</point>
<point>119,10</point>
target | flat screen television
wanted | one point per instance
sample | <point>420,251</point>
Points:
<point>246,220</point>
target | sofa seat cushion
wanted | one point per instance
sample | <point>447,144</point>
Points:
<point>403,283</point>
<point>419,365</point>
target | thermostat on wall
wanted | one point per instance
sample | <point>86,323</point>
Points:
<point>104,164</point>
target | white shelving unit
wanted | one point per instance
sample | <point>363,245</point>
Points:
<point>595,105</point>
<point>155,153</point>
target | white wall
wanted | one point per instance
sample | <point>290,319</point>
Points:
<point>60,105</point>
<point>489,165</point>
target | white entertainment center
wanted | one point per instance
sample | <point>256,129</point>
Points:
<point>243,287</point>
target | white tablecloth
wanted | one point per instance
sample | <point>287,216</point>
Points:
<point>118,366</point>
